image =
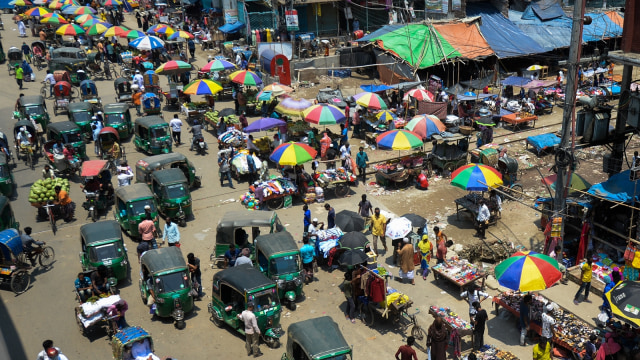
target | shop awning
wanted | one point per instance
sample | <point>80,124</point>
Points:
<point>504,37</point>
<point>617,188</point>
<point>231,28</point>
<point>466,38</point>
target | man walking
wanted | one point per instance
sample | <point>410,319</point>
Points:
<point>171,233</point>
<point>251,167</point>
<point>251,330</point>
<point>378,229</point>
<point>585,276</point>
<point>361,162</point>
<point>307,253</point>
<point>225,170</point>
<point>196,275</point>
<point>176,129</point>
<point>365,209</point>
<point>331,216</point>
<point>51,80</point>
<point>478,326</point>
<point>307,217</point>
<point>483,219</point>
<point>406,261</point>
<point>19,76</point>
<point>406,352</point>
<point>147,231</point>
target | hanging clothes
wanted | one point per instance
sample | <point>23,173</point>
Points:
<point>269,35</point>
<point>584,238</point>
<point>377,290</point>
<point>454,340</point>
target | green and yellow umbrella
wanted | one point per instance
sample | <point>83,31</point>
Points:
<point>97,29</point>
<point>202,87</point>
<point>37,11</point>
<point>133,34</point>
<point>181,34</point>
<point>116,31</point>
<point>323,114</point>
<point>245,77</point>
<point>53,18</point>
<point>292,154</point>
<point>370,100</point>
<point>70,29</point>
<point>58,4</point>
<point>528,271</point>
<point>476,177</point>
<point>90,22</point>
<point>82,10</point>
<point>174,67</point>
<point>82,18</point>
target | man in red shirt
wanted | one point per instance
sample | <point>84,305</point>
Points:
<point>147,232</point>
<point>406,351</point>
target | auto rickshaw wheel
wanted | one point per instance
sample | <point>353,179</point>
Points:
<point>271,342</point>
<point>20,281</point>
<point>291,305</point>
<point>180,324</point>
<point>448,169</point>
<point>47,256</point>
<point>216,320</point>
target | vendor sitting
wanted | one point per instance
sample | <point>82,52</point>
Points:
<point>422,182</point>
<point>303,180</point>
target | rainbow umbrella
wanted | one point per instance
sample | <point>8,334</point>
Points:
<point>528,271</point>
<point>37,11</point>
<point>70,29</point>
<point>292,107</point>
<point>173,67</point>
<point>112,3</point>
<point>473,177</point>
<point>161,29</point>
<point>370,100</point>
<point>20,3</point>
<point>68,9</point>
<point>292,154</point>
<point>115,31</point>
<point>324,114</point>
<point>82,18</point>
<point>53,18</point>
<point>245,77</point>
<point>58,4</point>
<point>217,65</point>
<point>420,95</point>
<point>278,89</point>
<point>133,34</point>
<point>97,29</point>
<point>202,87</point>
<point>263,95</point>
<point>577,182</point>
<point>399,140</point>
<point>93,21</point>
<point>82,10</point>
<point>181,34</point>
<point>426,125</point>
<point>385,115</point>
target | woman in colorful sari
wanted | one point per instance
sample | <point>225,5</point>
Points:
<point>426,251</point>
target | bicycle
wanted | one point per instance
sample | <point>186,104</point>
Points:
<point>52,219</point>
<point>416,331</point>
<point>43,254</point>
<point>44,90</point>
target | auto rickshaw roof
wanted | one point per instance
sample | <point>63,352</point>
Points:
<point>10,243</point>
<point>149,121</point>
<point>63,126</point>
<point>68,49</point>
<point>93,167</point>
<point>168,176</point>
<point>121,80</point>
<point>100,231</point>
<point>318,337</point>
<point>31,100</point>
<point>25,123</point>
<point>79,106</point>
<point>14,49</point>
<point>109,130</point>
<point>163,259</point>
<point>134,192</point>
<point>115,108</point>
<point>235,219</point>
<point>276,243</point>
<point>156,161</point>
<point>3,160</point>
<point>243,278</point>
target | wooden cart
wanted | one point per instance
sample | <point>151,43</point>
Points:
<point>478,276</point>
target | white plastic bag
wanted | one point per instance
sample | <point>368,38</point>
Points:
<point>602,318</point>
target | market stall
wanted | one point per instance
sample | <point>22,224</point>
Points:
<point>571,332</point>
<point>232,138</point>
<point>194,110</point>
<point>273,193</point>
<point>239,164</point>
<point>460,272</point>
<point>382,299</point>
<point>469,203</point>
<point>490,352</point>
<point>325,241</point>
<point>519,119</point>
<point>452,321</point>
<point>339,179</point>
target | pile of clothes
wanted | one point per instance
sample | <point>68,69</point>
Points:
<point>233,137</point>
<point>239,160</point>
<point>331,175</point>
<point>266,189</point>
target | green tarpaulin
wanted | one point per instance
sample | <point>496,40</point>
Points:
<point>418,44</point>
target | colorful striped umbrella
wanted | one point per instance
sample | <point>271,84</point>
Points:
<point>112,3</point>
<point>82,10</point>
<point>37,11</point>
<point>386,115</point>
<point>202,87</point>
<point>53,18</point>
<point>161,29</point>
<point>293,154</point>
<point>97,29</point>
<point>245,77</point>
<point>528,271</point>
<point>577,182</point>
<point>115,31</point>
<point>93,21</point>
<point>68,9</point>
<point>292,107</point>
<point>82,18</point>
<point>399,140</point>
<point>370,100</point>
<point>473,177</point>
<point>147,43</point>
<point>58,4</point>
<point>181,34</point>
<point>217,65</point>
<point>420,95</point>
<point>426,125</point>
<point>324,114</point>
<point>20,3</point>
<point>263,95</point>
<point>70,29</point>
<point>173,67</point>
<point>278,89</point>
<point>132,34</point>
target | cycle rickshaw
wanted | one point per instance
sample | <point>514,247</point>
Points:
<point>38,48</point>
<point>98,68</point>
<point>132,342</point>
<point>151,103</point>
<point>63,95</point>
<point>28,152</point>
<point>89,93</point>
<point>106,138</point>
<point>123,90</point>
<point>12,269</point>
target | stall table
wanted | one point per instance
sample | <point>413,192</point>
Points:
<point>470,203</point>
<point>490,352</point>
<point>452,321</point>
<point>516,120</point>
<point>459,272</point>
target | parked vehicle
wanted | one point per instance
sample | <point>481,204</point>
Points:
<point>81,113</point>
<point>123,90</point>
<point>34,107</point>
<point>70,133</point>
<point>171,191</point>
<point>7,182</point>
<point>102,244</point>
<point>130,203</point>
<point>316,339</point>
<point>118,117</point>
<point>7,218</point>
<point>146,166</point>
<point>152,135</point>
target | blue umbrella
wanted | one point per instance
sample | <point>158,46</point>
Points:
<point>147,43</point>
<point>264,124</point>
<point>69,9</point>
<point>469,93</point>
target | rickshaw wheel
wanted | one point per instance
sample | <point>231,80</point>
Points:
<point>20,281</point>
<point>183,222</point>
<point>43,92</point>
<point>47,256</point>
<point>515,192</point>
<point>341,190</point>
<point>216,320</point>
<point>79,322</point>
<point>180,324</point>
<point>366,314</point>
<point>418,333</point>
<point>275,204</point>
<point>271,342</point>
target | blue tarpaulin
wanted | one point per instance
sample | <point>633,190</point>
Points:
<point>617,188</point>
<point>550,34</point>
<point>515,81</point>
<point>601,27</point>
<point>375,88</point>
<point>543,141</point>
<point>544,12</point>
<point>383,30</point>
<point>504,37</point>
<point>231,28</point>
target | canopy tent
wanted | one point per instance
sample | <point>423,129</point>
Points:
<point>615,17</point>
<point>548,11</point>
<point>420,45</point>
<point>383,30</point>
<point>231,28</point>
<point>616,188</point>
<point>504,37</point>
<point>463,97</point>
<point>601,27</point>
<point>466,39</point>
<point>516,81</point>
<point>548,34</point>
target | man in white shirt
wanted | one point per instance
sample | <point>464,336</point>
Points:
<point>50,352</point>
<point>238,58</point>
<point>243,259</point>
<point>547,323</point>
<point>138,79</point>
<point>251,330</point>
<point>124,178</point>
<point>472,295</point>
<point>345,151</point>
<point>51,80</point>
<point>176,129</point>
<point>483,218</point>
<point>250,144</point>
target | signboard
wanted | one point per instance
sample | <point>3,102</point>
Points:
<point>230,16</point>
<point>291,16</point>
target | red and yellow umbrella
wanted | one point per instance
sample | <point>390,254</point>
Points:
<point>324,114</point>
<point>161,29</point>
<point>70,29</point>
<point>245,77</point>
<point>97,29</point>
<point>202,87</point>
<point>115,31</point>
<point>82,10</point>
<point>476,177</point>
<point>173,67</point>
<point>292,154</point>
<point>82,18</point>
<point>528,271</point>
<point>181,34</point>
<point>370,100</point>
<point>420,95</point>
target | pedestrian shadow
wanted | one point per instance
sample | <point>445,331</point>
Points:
<point>503,328</point>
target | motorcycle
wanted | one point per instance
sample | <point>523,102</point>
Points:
<point>200,145</point>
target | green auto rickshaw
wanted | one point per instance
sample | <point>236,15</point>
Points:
<point>316,339</point>
<point>152,135</point>
<point>81,113</point>
<point>233,289</point>
<point>35,107</point>
<point>130,207</point>
<point>7,183</point>
<point>7,218</point>
<point>171,191</point>
<point>165,276</point>
<point>102,244</point>
<point>70,133</point>
<point>234,227</point>
<point>118,117</point>
<point>278,257</point>
<point>148,165</point>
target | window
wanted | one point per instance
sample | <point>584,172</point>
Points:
<point>136,208</point>
<point>262,261</point>
<point>72,137</point>
<point>284,264</point>
<point>105,252</point>
<point>265,299</point>
<point>83,116</point>
<point>159,132</point>
<point>172,282</point>
<point>175,191</point>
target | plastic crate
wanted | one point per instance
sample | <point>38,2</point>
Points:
<point>339,73</point>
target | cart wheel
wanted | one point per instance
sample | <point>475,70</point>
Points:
<point>47,256</point>
<point>448,169</point>
<point>366,314</point>
<point>20,281</point>
<point>291,305</point>
<point>341,190</point>
<point>515,192</point>
<point>275,204</point>
<point>271,342</point>
<point>79,322</point>
<point>418,333</point>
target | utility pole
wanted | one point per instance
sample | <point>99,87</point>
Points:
<point>564,155</point>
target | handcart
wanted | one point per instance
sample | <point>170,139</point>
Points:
<point>91,316</point>
<point>339,180</point>
<point>447,153</point>
<point>397,179</point>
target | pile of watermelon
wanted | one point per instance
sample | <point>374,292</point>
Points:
<point>43,190</point>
